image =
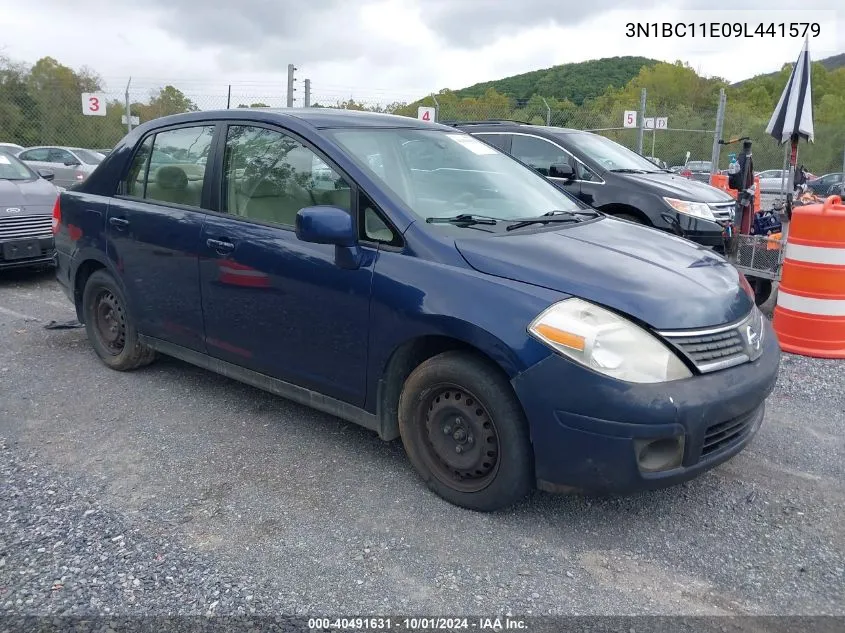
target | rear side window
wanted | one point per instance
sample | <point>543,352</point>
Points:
<point>35,154</point>
<point>168,167</point>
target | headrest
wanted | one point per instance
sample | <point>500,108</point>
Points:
<point>170,177</point>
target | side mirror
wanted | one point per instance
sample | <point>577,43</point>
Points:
<point>71,163</point>
<point>326,225</point>
<point>561,170</point>
<point>46,174</point>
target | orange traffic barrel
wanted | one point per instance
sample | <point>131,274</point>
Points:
<point>720,181</point>
<point>809,317</point>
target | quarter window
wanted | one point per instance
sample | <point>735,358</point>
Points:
<point>270,176</point>
<point>538,153</point>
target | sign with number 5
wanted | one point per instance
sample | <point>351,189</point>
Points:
<point>94,103</point>
<point>629,119</point>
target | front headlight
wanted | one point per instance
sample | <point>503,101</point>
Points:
<point>606,342</point>
<point>695,209</point>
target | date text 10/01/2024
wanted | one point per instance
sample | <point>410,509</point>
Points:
<point>722,29</point>
<point>418,624</point>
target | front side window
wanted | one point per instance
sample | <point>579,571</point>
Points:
<point>442,174</point>
<point>499,141</point>
<point>537,152</point>
<point>61,157</point>
<point>270,176</point>
<point>180,182</point>
<point>609,154</point>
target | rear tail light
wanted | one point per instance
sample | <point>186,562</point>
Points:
<point>686,173</point>
<point>57,215</point>
<point>80,176</point>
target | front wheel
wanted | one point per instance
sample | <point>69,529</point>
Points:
<point>465,432</point>
<point>109,325</point>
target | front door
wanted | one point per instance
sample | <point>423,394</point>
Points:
<point>154,226</point>
<point>272,303</point>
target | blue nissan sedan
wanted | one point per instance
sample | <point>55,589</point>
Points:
<point>414,280</point>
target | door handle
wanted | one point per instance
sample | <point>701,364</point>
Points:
<point>221,246</point>
<point>119,223</point>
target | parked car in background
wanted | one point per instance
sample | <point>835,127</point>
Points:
<point>610,177</point>
<point>771,180</point>
<point>27,198</point>
<point>827,185</point>
<point>104,152</point>
<point>11,148</point>
<point>699,170</point>
<point>71,165</point>
<point>511,335</point>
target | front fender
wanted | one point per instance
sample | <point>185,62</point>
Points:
<point>414,298</point>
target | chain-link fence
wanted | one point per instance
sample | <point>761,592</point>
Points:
<point>44,106</point>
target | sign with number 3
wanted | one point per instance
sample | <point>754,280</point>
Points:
<point>94,103</point>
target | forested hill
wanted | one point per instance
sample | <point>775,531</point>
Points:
<point>576,82</point>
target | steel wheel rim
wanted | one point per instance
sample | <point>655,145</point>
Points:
<point>459,438</point>
<point>110,322</point>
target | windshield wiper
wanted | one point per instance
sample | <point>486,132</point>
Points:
<point>464,218</point>
<point>629,171</point>
<point>551,216</point>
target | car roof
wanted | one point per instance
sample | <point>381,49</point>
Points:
<point>320,118</point>
<point>513,126</point>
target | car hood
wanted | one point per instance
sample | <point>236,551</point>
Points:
<point>676,186</point>
<point>26,196</point>
<point>661,280</point>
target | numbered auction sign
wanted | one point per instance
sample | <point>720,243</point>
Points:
<point>662,123</point>
<point>629,119</point>
<point>94,104</point>
<point>425,114</point>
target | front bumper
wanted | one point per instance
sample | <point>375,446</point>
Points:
<point>43,252</point>
<point>585,426</point>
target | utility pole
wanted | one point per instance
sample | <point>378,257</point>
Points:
<point>307,101</point>
<point>641,128</point>
<point>717,133</point>
<point>291,79</point>
<point>128,113</point>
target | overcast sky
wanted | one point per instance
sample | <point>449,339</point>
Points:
<point>383,50</point>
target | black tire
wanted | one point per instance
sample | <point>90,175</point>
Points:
<point>458,399</point>
<point>109,325</point>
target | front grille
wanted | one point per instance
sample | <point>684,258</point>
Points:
<point>725,434</point>
<point>722,211</point>
<point>721,347</point>
<point>711,348</point>
<point>25,226</point>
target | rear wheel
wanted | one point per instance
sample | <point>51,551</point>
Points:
<point>465,432</point>
<point>109,325</point>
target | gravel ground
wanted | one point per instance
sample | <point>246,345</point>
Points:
<point>173,490</point>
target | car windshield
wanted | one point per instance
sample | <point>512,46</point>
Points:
<point>443,174</point>
<point>13,169</point>
<point>88,157</point>
<point>609,154</point>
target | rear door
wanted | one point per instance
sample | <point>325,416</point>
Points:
<point>37,159</point>
<point>154,227</point>
<point>271,302</point>
<point>64,165</point>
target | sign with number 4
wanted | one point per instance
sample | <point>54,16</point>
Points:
<point>629,119</point>
<point>426,114</point>
<point>94,104</point>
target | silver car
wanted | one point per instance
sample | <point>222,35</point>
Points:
<point>69,164</point>
<point>26,214</point>
<point>11,148</point>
